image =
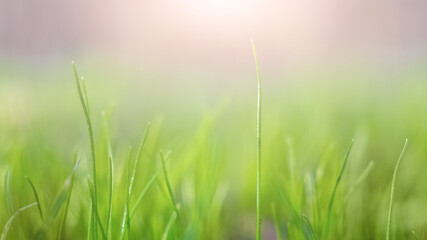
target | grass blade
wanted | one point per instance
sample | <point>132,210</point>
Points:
<point>85,105</point>
<point>138,157</point>
<point>331,201</point>
<point>393,183</point>
<point>126,218</point>
<point>96,216</point>
<point>10,221</point>
<point>67,205</point>
<point>169,225</point>
<point>165,174</point>
<point>36,196</point>
<point>146,188</point>
<point>258,197</point>
<point>307,222</point>
<point>110,177</point>
<point>90,225</point>
<point>144,191</point>
<point>344,164</point>
<point>9,198</point>
<point>7,191</point>
<point>129,189</point>
<point>130,180</point>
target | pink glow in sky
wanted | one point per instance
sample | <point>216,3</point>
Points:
<point>203,31</point>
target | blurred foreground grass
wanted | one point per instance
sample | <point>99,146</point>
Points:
<point>208,133</point>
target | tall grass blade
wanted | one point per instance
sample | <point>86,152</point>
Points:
<point>10,221</point>
<point>169,225</point>
<point>85,105</point>
<point>129,190</point>
<point>258,198</point>
<point>393,184</point>
<point>36,196</point>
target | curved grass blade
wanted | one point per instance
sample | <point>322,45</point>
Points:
<point>393,183</point>
<point>171,222</point>
<point>36,196</point>
<point>85,105</point>
<point>10,221</point>
<point>110,177</point>
<point>165,173</point>
<point>307,222</point>
<point>10,200</point>
<point>258,197</point>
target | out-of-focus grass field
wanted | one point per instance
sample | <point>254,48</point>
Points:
<point>207,130</point>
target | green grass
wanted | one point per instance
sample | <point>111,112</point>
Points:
<point>12,218</point>
<point>81,88</point>
<point>334,192</point>
<point>207,185</point>
<point>168,185</point>
<point>393,183</point>
<point>110,175</point>
<point>258,135</point>
<point>36,196</point>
